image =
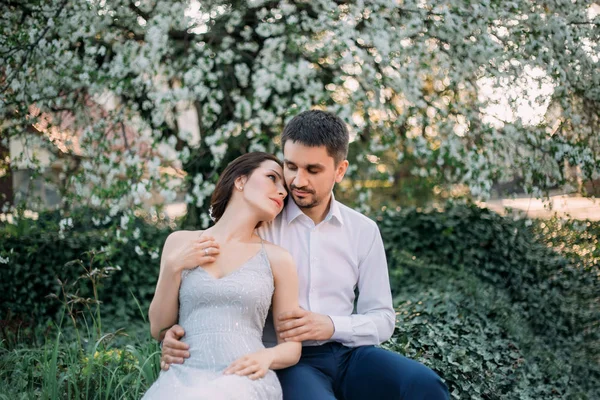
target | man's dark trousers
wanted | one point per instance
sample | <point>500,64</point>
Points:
<point>333,371</point>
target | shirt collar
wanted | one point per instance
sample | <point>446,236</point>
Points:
<point>292,211</point>
<point>334,211</point>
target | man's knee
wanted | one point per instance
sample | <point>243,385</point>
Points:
<point>423,383</point>
<point>397,376</point>
<point>304,382</point>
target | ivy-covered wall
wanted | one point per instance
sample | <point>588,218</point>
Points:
<point>500,308</point>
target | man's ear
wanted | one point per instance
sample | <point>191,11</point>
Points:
<point>340,170</point>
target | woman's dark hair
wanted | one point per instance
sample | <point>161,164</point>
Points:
<point>315,128</point>
<point>244,165</point>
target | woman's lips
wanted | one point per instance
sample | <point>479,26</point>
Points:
<point>278,202</point>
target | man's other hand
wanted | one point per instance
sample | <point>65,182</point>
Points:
<point>174,351</point>
<point>301,325</point>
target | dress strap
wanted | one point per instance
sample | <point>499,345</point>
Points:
<point>266,257</point>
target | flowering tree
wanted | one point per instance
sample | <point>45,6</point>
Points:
<point>442,85</point>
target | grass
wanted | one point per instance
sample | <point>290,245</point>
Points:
<point>79,359</point>
<point>62,370</point>
<point>480,342</point>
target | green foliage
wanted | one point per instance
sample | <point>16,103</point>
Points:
<point>578,241</point>
<point>500,308</point>
<point>442,329</point>
<point>97,365</point>
<point>488,304</point>
<point>41,260</point>
<point>59,370</point>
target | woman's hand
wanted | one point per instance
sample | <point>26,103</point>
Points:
<point>254,365</point>
<point>199,252</point>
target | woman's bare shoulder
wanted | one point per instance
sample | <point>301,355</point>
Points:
<point>177,238</point>
<point>282,266</point>
<point>278,255</point>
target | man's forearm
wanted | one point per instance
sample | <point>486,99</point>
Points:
<point>372,328</point>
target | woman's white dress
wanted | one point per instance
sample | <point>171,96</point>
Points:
<point>223,320</point>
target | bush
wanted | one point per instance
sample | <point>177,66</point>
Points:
<point>82,360</point>
<point>41,258</point>
<point>489,305</point>
<point>500,308</point>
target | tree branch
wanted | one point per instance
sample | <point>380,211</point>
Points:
<point>138,11</point>
<point>31,47</point>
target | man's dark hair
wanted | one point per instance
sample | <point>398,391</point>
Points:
<point>316,128</point>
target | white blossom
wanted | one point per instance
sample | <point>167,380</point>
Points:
<point>124,222</point>
<point>444,86</point>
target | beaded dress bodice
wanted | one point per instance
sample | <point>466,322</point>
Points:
<point>228,313</point>
<point>223,320</point>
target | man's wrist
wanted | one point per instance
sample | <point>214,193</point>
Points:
<point>342,328</point>
<point>332,327</point>
<point>162,333</point>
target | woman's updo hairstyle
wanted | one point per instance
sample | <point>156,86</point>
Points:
<point>244,165</point>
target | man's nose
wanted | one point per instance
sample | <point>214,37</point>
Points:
<point>300,179</point>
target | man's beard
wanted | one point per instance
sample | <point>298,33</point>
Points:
<point>306,202</point>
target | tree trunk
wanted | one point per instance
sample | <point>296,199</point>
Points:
<point>6,181</point>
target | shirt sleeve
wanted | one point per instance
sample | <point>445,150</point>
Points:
<point>374,321</point>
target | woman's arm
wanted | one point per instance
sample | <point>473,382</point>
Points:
<point>285,298</point>
<point>164,308</point>
<point>181,251</point>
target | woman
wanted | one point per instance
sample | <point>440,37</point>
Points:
<point>219,284</point>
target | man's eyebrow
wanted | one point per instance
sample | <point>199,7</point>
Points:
<point>319,166</point>
<point>277,173</point>
<point>307,166</point>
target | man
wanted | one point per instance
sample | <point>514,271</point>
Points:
<point>337,251</point>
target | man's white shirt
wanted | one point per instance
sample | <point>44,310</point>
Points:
<point>342,253</point>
